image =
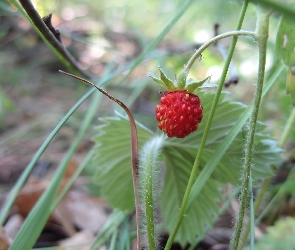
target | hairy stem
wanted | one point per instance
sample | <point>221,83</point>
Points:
<point>134,151</point>
<point>266,182</point>
<point>210,118</point>
<point>262,36</point>
<point>148,169</point>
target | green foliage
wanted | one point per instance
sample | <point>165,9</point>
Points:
<point>285,49</point>
<point>113,165</point>
<point>285,42</point>
<point>280,236</point>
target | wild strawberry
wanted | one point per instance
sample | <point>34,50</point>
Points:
<point>179,113</point>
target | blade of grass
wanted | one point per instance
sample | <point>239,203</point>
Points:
<point>113,240</point>
<point>25,175</point>
<point>124,238</point>
<point>115,219</point>
<point>192,179</point>
<point>38,216</point>
<point>23,178</point>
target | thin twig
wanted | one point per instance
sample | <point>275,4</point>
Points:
<point>49,36</point>
<point>134,150</point>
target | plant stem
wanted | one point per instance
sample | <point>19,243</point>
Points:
<point>215,39</point>
<point>210,118</point>
<point>288,128</point>
<point>148,166</point>
<point>149,209</point>
<point>258,201</point>
<point>262,36</point>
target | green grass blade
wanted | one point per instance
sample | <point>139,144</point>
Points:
<point>38,216</point>
<point>21,181</point>
<point>124,238</point>
<point>113,240</point>
<point>115,219</point>
<point>25,175</point>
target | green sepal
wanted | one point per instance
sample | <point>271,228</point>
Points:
<point>192,85</point>
<point>157,80</point>
<point>290,85</point>
<point>181,81</point>
<point>285,41</point>
<point>169,84</point>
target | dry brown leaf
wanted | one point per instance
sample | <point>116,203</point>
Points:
<point>13,225</point>
<point>84,211</point>
<point>4,239</point>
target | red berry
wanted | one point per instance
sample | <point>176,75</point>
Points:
<point>179,113</point>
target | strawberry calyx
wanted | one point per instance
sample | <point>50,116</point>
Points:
<point>182,82</point>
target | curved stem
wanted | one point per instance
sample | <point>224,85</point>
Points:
<point>134,150</point>
<point>211,114</point>
<point>214,40</point>
<point>262,35</point>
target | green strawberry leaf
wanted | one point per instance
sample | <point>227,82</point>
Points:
<point>285,49</point>
<point>285,41</point>
<point>114,165</point>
